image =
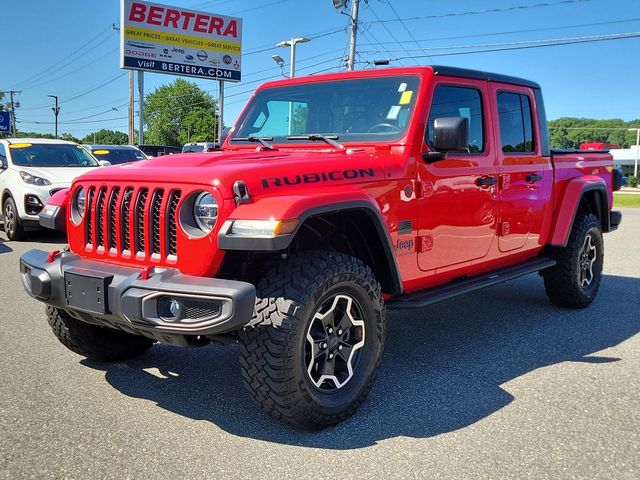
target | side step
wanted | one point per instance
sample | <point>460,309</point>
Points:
<point>460,287</point>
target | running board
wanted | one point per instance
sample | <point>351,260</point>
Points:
<point>460,287</point>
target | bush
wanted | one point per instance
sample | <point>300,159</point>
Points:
<point>633,181</point>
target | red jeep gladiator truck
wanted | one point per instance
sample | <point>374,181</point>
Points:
<point>335,196</point>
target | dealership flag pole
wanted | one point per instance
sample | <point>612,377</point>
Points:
<point>140,107</point>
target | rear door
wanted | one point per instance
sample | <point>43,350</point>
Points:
<point>458,195</point>
<point>525,175</point>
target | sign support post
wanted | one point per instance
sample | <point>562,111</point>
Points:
<point>140,107</point>
<point>221,107</point>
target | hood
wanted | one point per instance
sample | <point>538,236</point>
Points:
<point>264,172</point>
<point>58,175</point>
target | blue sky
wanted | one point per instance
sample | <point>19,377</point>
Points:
<point>68,49</point>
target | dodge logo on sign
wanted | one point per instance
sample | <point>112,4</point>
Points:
<point>202,39</point>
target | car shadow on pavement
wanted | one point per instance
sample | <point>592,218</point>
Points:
<point>442,371</point>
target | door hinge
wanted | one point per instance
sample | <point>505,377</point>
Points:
<point>424,189</point>
<point>425,243</point>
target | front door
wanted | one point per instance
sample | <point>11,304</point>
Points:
<point>458,195</point>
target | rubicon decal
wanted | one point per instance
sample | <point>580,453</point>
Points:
<point>305,178</point>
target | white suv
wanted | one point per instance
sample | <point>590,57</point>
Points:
<point>31,170</point>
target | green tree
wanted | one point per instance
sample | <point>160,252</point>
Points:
<point>106,137</point>
<point>180,112</point>
<point>571,132</point>
<point>68,137</point>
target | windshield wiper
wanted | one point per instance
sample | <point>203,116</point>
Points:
<point>261,140</point>
<point>330,139</point>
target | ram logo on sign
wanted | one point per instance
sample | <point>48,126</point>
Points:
<point>177,41</point>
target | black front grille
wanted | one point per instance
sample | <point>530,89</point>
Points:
<point>172,209</point>
<point>139,219</point>
<point>111,217</point>
<point>120,219</point>
<point>156,204</point>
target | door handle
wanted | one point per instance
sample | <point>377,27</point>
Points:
<point>533,177</point>
<point>486,181</point>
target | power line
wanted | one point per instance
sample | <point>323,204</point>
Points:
<point>524,47</point>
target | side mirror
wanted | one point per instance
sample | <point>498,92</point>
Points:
<point>104,163</point>
<point>450,134</point>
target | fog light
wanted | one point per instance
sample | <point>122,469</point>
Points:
<point>32,205</point>
<point>170,309</point>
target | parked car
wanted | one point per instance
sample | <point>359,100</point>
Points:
<point>116,154</point>
<point>393,188</point>
<point>32,170</point>
<point>196,147</point>
<point>152,151</point>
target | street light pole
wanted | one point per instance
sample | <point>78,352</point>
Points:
<point>56,110</point>
<point>292,69</point>
<point>635,167</point>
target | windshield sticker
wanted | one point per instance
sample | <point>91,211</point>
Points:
<point>402,87</point>
<point>101,152</point>
<point>394,111</point>
<point>405,98</point>
<point>19,145</point>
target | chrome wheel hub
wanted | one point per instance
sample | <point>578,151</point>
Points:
<point>335,337</point>
<point>587,257</point>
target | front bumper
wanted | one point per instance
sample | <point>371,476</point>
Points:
<point>53,217</point>
<point>120,297</point>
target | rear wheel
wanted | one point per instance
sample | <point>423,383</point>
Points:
<point>312,351</point>
<point>12,226</point>
<point>575,279</point>
<point>97,343</point>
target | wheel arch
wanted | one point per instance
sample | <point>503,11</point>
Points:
<point>588,193</point>
<point>353,227</point>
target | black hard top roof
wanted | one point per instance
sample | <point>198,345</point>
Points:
<point>480,75</point>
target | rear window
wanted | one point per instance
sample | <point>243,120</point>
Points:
<point>50,155</point>
<point>118,155</point>
<point>516,125</point>
<point>192,148</point>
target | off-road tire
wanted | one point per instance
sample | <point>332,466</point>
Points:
<point>12,226</point>
<point>562,282</point>
<point>272,346</point>
<point>96,343</point>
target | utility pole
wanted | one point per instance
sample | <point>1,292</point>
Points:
<point>12,108</point>
<point>354,33</point>
<point>56,110</point>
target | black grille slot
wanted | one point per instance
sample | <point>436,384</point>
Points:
<point>111,217</point>
<point>172,209</point>
<point>156,203</point>
<point>88,218</point>
<point>125,219</point>
<point>102,193</point>
<point>201,309</point>
<point>139,219</point>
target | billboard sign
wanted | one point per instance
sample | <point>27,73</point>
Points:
<point>5,121</point>
<point>178,41</point>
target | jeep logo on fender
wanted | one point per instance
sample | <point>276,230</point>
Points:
<point>333,175</point>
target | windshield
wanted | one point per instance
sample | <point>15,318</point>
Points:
<point>192,148</point>
<point>359,110</point>
<point>50,155</point>
<point>116,156</point>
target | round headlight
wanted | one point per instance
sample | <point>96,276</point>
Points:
<point>80,201</point>
<point>205,211</point>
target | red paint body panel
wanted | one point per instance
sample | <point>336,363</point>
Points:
<point>457,228</point>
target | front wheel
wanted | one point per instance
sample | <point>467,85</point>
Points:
<point>575,279</point>
<point>12,226</point>
<point>312,351</point>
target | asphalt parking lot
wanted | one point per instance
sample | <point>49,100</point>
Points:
<point>499,384</point>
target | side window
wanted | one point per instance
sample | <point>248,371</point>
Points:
<point>450,101</point>
<point>516,126</point>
